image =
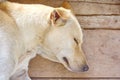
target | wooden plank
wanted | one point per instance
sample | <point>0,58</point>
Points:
<point>74,79</point>
<point>102,49</point>
<point>92,1</point>
<point>53,3</point>
<point>93,9</point>
<point>81,8</point>
<point>109,22</point>
<point>100,1</point>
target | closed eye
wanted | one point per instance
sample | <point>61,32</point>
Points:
<point>76,41</point>
<point>66,60</point>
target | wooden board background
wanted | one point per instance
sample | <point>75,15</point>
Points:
<point>100,20</point>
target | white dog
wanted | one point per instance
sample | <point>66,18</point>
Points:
<point>27,30</point>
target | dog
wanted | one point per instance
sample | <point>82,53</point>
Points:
<point>30,29</point>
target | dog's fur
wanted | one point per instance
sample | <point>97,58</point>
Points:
<point>27,30</point>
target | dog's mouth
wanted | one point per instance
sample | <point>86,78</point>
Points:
<point>83,68</point>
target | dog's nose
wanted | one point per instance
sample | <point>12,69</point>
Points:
<point>85,68</point>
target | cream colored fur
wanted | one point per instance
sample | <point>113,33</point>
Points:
<point>27,30</point>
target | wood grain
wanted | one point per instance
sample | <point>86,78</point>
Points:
<point>100,1</point>
<point>81,8</point>
<point>92,1</point>
<point>104,22</point>
<point>93,9</point>
<point>75,79</point>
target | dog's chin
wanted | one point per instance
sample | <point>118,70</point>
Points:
<point>74,70</point>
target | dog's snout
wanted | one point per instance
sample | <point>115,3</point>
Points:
<point>85,68</point>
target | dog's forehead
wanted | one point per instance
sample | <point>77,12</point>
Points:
<point>76,28</point>
<point>74,24</point>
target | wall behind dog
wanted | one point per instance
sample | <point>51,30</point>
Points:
<point>100,20</point>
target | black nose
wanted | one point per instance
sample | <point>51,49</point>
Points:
<point>85,68</point>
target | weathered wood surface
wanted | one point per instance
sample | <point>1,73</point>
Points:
<point>94,9</point>
<point>100,1</point>
<point>105,22</point>
<point>82,8</point>
<point>102,49</point>
<point>75,79</point>
<point>92,1</point>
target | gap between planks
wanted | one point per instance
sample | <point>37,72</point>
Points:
<point>101,28</point>
<point>97,14</point>
<point>95,2</point>
<point>75,77</point>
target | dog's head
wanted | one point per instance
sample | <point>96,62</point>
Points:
<point>64,40</point>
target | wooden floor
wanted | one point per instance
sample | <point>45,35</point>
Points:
<point>100,20</point>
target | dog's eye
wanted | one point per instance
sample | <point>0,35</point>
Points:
<point>76,41</point>
<point>66,60</point>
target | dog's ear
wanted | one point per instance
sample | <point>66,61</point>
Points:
<point>58,17</point>
<point>67,5</point>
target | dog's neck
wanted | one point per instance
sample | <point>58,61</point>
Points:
<point>32,20</point>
